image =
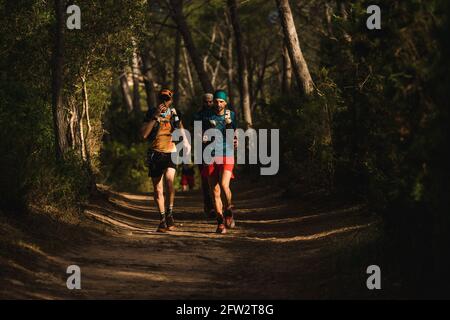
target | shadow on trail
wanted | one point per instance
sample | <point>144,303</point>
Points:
<point>280,249</point>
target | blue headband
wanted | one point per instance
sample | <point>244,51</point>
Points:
<point>220,94</point>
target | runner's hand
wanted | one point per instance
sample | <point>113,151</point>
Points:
<point>161,108</point>
<point>227,117</point>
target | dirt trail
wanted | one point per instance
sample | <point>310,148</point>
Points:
<point>279,249</point>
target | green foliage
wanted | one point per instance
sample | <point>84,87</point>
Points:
<point>22,126</point>
<point>124,166</point>
<point>29,173</point>
<point>378,128</point>
<point>123,154</point>
<point>63,185</point>
<point>306,135</point>
<point>120,125</point>
<point>386,130</point>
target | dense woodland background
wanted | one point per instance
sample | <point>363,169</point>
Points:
<point>371,123</point>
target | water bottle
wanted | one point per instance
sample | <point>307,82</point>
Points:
<point>176,119</point>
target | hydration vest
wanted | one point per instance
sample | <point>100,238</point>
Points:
<point>174,123</point>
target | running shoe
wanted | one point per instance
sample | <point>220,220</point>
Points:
<point>221,226</point>
<point>162,226</point>
<point>229,220</point>
<point>170,222</point>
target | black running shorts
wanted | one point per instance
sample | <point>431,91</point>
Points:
<point>158,162</point>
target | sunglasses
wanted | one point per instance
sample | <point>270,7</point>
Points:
<point>165,97</point>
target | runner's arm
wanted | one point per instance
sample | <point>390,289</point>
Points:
<point>149,122</point>
<point>147,128</point>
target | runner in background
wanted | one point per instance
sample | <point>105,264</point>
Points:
<point>187,177</point>
<point>202,115</point>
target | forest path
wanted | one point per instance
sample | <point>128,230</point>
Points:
<point>279,250</point>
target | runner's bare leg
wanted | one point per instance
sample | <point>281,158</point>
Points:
<point>225,185</point>
<point>170,178</point>
<point>158,192</point>
<point>214,188</point>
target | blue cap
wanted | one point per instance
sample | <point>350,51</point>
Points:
<point>221,94</point>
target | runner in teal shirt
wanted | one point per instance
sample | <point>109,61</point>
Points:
<point>219,173</point>
<point>218,122</point>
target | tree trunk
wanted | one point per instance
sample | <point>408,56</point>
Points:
<point>135,72</point>
<point>125,88</point>
<point>73,121</point>
<point>211,44</point>
<point>342,10</point>
<point>251,69</point>
<point>188,73</point>
<point>260,81</point>
<point>85,143</point>
<point>219,58</point>
<point>81,124</point>
<point>299,65</point>
<point>176,69</point>
<point>176,12</point>
<point>148,80</point>
<point>59,123</point>
<point>287,72</point>
<point>87,115</point>
<point>242,65</point>
<point>230,71</point>
<point>328,18</point>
